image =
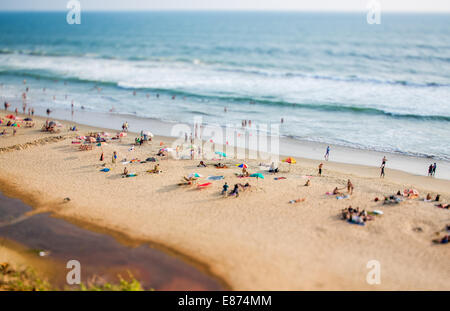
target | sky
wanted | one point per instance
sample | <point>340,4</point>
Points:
<point>298,5</point>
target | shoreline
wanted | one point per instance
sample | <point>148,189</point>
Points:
<point>186,226</point>
<point>288,146</point>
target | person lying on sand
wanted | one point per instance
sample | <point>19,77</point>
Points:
<point>445,238</point>
<point>441,205</point>
<point>201,164</point>
<point>220,165</point>
<point>297,201</point>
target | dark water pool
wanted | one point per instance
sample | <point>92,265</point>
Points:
<point>99,254</point>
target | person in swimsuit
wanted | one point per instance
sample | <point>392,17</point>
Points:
<point>320,169</point>
<point>350,187</point>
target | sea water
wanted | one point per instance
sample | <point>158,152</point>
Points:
<point>332,77</point>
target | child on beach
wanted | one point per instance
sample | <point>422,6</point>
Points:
<point>224,189</point>
<point>320,169</point>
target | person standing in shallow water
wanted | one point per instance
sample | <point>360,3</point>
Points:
<point>433,172</point>
<point>327,153</point>
<point>430,170</point>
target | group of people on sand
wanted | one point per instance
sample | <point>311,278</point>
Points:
<point>354,215</point>
<point>236,188</point>
<point>337,190</point>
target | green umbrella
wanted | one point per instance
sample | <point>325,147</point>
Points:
<point>257,175</point>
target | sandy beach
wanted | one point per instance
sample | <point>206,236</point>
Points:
<point>257,241</point>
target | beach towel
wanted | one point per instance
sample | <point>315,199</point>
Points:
<point>279,178</point>
<point>131,175</point>
<point>105,169</point>
<point>376,212</point>
<point>150,159</point>
<point>356,223</point>
<point>214,177</point>
<point>329,193</point>
<point>297,201</point>
<point>342,197</point>
<point>201,186</point>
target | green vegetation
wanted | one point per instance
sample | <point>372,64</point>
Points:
<point>21,279</point>
<point>13,279</point>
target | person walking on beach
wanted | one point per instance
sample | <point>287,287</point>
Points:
<point>382,170</point>
<point>6,104</point>
<point>383,162</point>
<point>320,169</point>
<point>32,111</point>
<point>430,170</point>
<point>48,111</point>
<point>434,169</point>
<point>327,153</point>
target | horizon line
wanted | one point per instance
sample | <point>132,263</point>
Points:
<point>218,10</point>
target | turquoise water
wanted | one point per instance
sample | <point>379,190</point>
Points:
<point>332,77</point>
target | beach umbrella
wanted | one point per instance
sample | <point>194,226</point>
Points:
<point>222,154</point>
<point>290,160</point>
<point>257,175</point>
<point>242,165</point>
<point>194,175</point>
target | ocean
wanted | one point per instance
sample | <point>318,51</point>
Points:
<point>332,77</point>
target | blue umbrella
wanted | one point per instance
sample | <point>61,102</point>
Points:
<point>257,175</point>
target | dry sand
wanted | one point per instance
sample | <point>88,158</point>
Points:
<point>255,242</point>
